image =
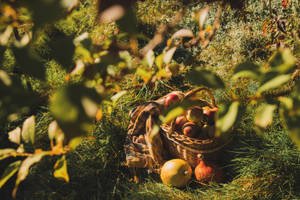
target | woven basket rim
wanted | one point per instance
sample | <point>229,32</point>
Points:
<point>219,144</point>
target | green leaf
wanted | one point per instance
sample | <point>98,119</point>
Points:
<point>128,23</point>
<point>9,172</point>
<point>5,153</point>
<point>60,169</point>
<point>29,63</point>
<point>264,116</point>
<point>55,132</point>
<point>74,142</point>
<point>159,61</point>
<point>294,134</point>
<point>205,78</point>
<point>145,75</point>
<point>24,168</point>
<point>15,135</point>
<point>227,121</point>
<point>74,108</point>
<point>290,116</point>
<point>245,74</point>
<point>275,82</point>
<point>182,33</point>
<point>168,55</point>
<point>46,11</point>
<point>28,130</point>
<point>283,61</point>
<point>173,114</point>
<point>247,69</point>
<point>150,58</point>
<point>62,49</point>
<point>2,50</point>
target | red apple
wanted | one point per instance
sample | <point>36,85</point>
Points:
<point>171,99</point>
<point>190,129</point>
<point>207,171</point>
<point>179,122</point>
<point>211,114</point>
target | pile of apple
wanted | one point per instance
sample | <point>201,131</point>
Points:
<point>197,122</point>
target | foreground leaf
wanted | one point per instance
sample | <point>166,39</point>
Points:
<point>4,153</point>
<point>28,130</point>
<point>264,116</point>
<point>275,82</point>
<point>60,169</point>
<point>206,78</point>
<point>15,135</point>
<point>283,61</point>
<point>227,121</point>
<point>24,169</point>
<point>9,172</point>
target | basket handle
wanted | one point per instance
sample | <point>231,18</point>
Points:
<point>194,91</point>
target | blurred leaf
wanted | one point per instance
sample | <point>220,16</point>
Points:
<point>159,60</point>
<point>46,11</point>
<point>62,49</point>
<point>6,80</point>
<point>173,114</point>
<point>247,69</point>
<point>15,135</point>
<point>283,61</point>
<point>150,58</point>
<point>70,109</point>
<point>168,55</point>
<point>117,96</point>
<point>202,14</point>
<point>182,33</point>
<point>29,63</point>
<point>290,116</point>
<point>128,23</point>
<point>227,121</point>
<point>264,116</point>
<point>24,169</point>
<point>206,78</point>
<point>54,132</point>
<point>2,50</point>
<point>145,75</point>
<point>4,153</point>
<point>9,172</point>
<point>275,82</point>
<point>60,169</point>
<point>89,106</point>
<point>286,102</point>
<point>74,142</point>
<point>112,13</point>
<point>28,130</point>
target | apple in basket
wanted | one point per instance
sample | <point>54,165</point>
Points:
<point>210,113</point>
<point>176,172</point>
<point>195,114</point>
<point>171,99</point>
<point>190,129</point>
<point>179,122</point>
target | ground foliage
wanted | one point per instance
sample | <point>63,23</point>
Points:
<point>260,163</point>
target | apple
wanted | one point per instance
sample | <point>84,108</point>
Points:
<point>190,129</point>
<point>207,171</point>
<point>179,122</point>
<point>171,99</point>
<point>195,114</point>
<point>210,113</point>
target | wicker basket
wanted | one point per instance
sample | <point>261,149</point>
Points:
<point>191,149</point>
